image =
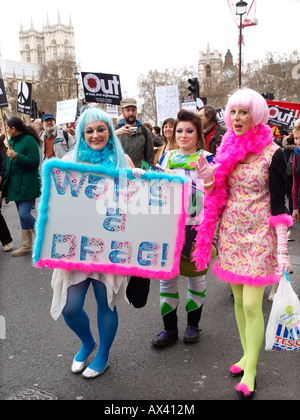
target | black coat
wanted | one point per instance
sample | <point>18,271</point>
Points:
<point>2,165</point>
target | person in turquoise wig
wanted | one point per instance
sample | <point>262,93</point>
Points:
<point>96,144</point>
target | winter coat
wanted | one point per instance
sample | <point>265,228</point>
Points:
<point>296,179</point>
<point>2,166</point>
<point>63,143</point>
<point>216,139</point>
<point>138,146</point>
<point>22,179</point>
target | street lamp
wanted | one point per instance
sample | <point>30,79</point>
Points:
<point>77,74</point>
<point>241,9</point>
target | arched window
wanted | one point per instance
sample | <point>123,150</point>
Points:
<point>40,54</point>
<point>27,53</point>
<point>66,48</point>
<point>54,49</point>
<point>208,71</point>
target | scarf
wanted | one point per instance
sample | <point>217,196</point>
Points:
<point>233,149</point>
<point>105,157</point>
<point>123,122</point>
<point>208,128</point>
<point>297,151</point>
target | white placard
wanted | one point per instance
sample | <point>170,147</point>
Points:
<point>167,102</point>
<point>96,219</point>
<point>66,111</point>
<point>112,110</point>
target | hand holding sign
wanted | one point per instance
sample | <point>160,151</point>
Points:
<point>3,104</point>
<point>119,224</point>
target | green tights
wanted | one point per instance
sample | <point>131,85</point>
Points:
<point>250,322</point>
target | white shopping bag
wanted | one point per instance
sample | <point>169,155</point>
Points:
<point>283,329</point>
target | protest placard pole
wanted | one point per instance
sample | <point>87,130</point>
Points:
<point>4,128</point>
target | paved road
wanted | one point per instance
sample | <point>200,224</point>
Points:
<point>37,351</point>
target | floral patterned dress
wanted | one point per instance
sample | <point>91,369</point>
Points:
<point>247,244</point>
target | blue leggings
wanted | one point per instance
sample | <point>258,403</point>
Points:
<point>77,319</point>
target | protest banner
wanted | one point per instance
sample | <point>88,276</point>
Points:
<point>66,111</point>
<point>95,219</point>
<point>102,88</point>
<point>283,114</point>
<point>24,98</point>
<point>281,117</point>
<point>3,104</point>
<point>167,102</point>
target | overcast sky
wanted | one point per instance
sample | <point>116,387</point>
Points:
<point>131,37</point>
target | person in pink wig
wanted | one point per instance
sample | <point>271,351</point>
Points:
<point>245,191</point>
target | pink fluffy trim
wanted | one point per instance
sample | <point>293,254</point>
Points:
<point>233,278</point>
<point>281,219</point>
<point>108,268</point>
<point>243,388</point>
<point>235,369</point>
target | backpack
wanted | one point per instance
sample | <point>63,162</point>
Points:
<point>66,136</point>
<point>289,167</point>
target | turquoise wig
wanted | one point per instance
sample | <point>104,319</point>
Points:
<point>112,156</point>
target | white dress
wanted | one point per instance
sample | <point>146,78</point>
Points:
<point>61,280</point>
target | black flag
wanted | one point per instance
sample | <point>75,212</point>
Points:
<point>3,98</point>
<point>24,97</point>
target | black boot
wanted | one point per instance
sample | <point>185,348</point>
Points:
<point>170,333</point>
<point>192,329</point>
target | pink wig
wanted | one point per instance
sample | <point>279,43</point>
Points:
<point>250,100</point>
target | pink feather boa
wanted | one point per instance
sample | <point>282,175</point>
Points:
<point>233,149</point>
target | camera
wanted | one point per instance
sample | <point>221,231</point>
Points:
<point>134,129</point>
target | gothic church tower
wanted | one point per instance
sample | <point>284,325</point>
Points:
<point>53,42</point>
<point>210,68</point>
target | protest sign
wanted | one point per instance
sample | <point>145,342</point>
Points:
<point>283,114</point>
<point>102,88</point>
<point>24,98</point>
<point>112,111</point>
<point>220,115</point>
<point>95,219</point>
<point>281,117</point>
<point>189,103</point>
<point>3,104</point>
<point>167,102</point>
<point>66,111</point>
<point>3,98</point>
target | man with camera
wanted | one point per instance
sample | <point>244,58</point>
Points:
<point>135,138</point>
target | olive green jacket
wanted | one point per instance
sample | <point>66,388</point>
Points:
<point>22,178</point>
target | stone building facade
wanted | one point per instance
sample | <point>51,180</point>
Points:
<point>37,48</point>
<point>212,69</point>
<point>53,42</point>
